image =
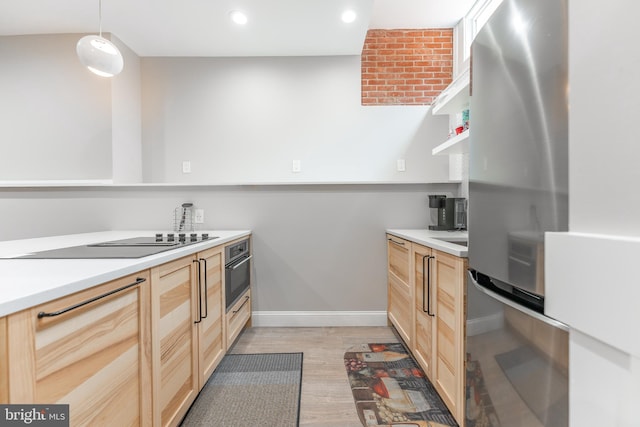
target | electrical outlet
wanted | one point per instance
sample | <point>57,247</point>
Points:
<point>296,166</point>
<point>400,165</point>
<point>199,216</point>
<point>186,166</point>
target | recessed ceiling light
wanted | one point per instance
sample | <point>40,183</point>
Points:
<point>238,17</point>
<point>348,16</point>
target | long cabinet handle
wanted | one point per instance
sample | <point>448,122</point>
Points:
<point>397,243</point>
<point>89,301</point>
<point>424,280</point>
<point>429,258</point>
<point>206,298</point>
<point>199,293</point>
<point>241,305</point>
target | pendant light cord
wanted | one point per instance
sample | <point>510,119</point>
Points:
<point>100,16</point>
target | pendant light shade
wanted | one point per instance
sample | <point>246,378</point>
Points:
<point>98,54</point>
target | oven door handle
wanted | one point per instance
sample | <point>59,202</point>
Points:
<point>516,306</point>
<point>239,264</point>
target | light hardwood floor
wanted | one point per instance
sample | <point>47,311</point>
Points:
<point>326,399</point>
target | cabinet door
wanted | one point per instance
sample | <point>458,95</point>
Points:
<point>91,352</point>
<point>4,362</point>
<point>424,308</point>
<point>174,309</point>
<point>448,274</point>
<point>399,290</point>
<point>211,346</point>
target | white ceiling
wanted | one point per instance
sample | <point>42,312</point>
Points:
<point>203,27</point>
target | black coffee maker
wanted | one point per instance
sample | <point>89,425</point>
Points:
<point>452,213</point>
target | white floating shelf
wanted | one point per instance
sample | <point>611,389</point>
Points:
<point>459,144</point>
<point>454,98</point>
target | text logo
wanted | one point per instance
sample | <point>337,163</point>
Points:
<point>34,415</point>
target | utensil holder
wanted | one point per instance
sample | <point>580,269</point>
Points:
<point>183,218</point>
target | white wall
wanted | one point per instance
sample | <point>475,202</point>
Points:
<point>126,144</point>
<point>605,102</point>
<point>604,200</point>
<point>238,120</point>
<point>243,120</point>
<point>55,116</point>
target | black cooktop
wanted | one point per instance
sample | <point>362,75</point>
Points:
<point>136,247</point>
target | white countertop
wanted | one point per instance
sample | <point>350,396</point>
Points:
<point>28,282</point>
<point>433,239</point>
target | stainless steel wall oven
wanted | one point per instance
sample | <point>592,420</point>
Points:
<point>237,270</point>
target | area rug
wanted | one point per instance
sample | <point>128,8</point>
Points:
<point>250,390</point>
<point>479,410</point>
<point>540,385</point>
<point>389,388</point>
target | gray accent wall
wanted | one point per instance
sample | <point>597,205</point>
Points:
<point>316,247</point>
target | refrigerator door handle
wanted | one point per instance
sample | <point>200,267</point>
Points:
<point>548,320</point>
<point>519,261</point>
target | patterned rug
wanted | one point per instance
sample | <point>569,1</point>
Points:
<point>479,411</point>
<point>250,390</point>
<point>390,389</point>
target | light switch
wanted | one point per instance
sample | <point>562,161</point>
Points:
<point>186,166</point>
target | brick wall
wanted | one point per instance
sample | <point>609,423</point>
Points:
<point>406,67</point>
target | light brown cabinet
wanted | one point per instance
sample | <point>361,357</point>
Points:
<point>187,330</point>
<point>448,294</point>
<point>133,352</point>
<point>399,290</point>
<point>174,343</point>
<point>428,311</point>
<point>4,362</point>
<point>90,350</point>
<point>211,329</point>
<point>425,320</point>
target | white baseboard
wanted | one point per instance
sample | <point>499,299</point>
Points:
<point>318,318</point>
<point>484,324</point>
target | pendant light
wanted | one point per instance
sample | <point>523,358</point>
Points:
<point>98,54</point>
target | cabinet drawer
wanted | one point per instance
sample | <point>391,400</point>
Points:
<point>237,316</point>
<point>89,350</point>
<point>399,257</point>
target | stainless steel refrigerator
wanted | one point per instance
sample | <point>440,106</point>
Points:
<point>517,357</point>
